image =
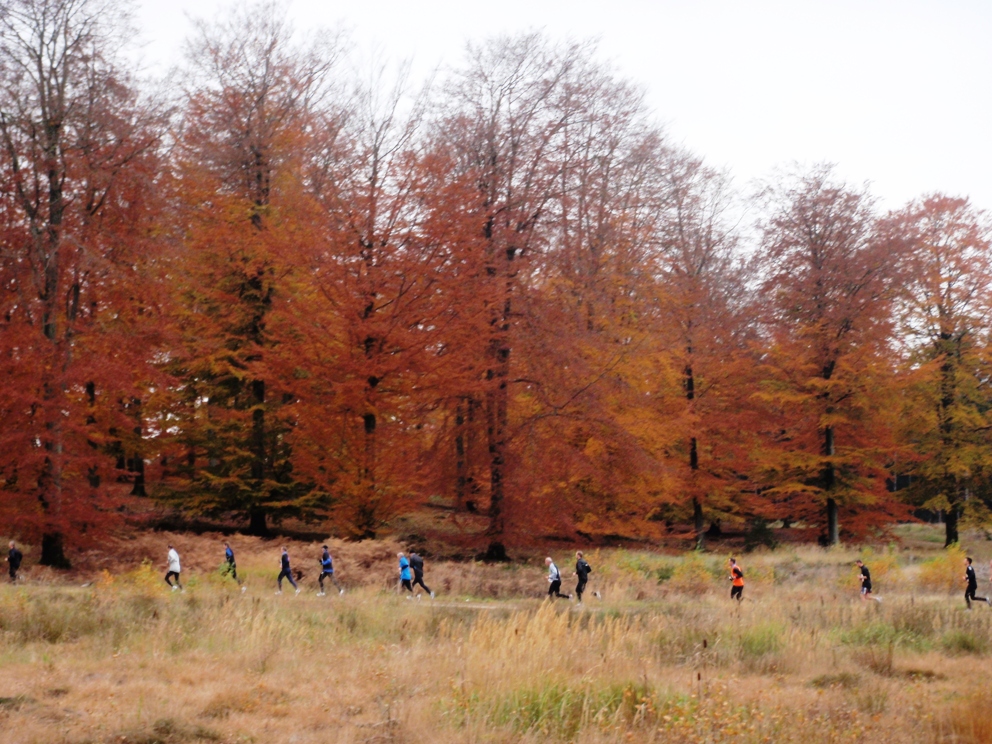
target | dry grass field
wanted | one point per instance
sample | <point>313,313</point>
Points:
<point>662,656</point>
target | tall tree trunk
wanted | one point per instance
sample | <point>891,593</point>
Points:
<point>257,523</point>
<point>461,477</point>
<point>497,403</point>
<point>950,527</point>
<point>138,457</point>
<point>93,472</point>
<point>697,523</point>
<point>689,382</point>
<point>833,523</point>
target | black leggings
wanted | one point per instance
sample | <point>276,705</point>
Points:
<point>555,590</point>
<point>419,579</point>
<point>168,578</point>
<point>286,575</point>
<point>969,594</point>
<point>323,575</point>
<point>405,584</point>
<point>580,587</point>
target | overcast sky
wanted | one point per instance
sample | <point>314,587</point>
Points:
<point>895,92</point>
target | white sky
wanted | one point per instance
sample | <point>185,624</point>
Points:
<point>895,92</point>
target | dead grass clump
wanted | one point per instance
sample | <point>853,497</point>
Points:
<point>964,722</point>
<point>878,659</point>
<point>167,731</point>
<point>845,680</point>
<point>14,703</point>
<point>957,641</point>
<point>224,703</point>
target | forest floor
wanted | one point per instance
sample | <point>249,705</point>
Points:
<point>109,654</point>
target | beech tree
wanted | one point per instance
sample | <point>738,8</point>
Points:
<point>707,312</point>
<point>78,157</point>
<point>829,320</point>
<point>251,95</point>
<point>944,246</point>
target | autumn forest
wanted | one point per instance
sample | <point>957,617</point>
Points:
<point>277,288</point>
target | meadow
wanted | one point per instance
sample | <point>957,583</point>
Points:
<point>662,655</point>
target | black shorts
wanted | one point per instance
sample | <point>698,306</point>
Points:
<point>866,588</point>
<point>736,592</point>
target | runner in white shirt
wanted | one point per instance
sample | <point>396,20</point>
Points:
<point>174,570</point>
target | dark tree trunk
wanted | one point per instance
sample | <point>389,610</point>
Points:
<point>53,551</point>
<point>256,523</point>
<point>950,527</point>
<point>460,469</point>
<point>137,465</point>
<point>497,402</point>
<point>258,430</point>
<point>697,523</point>
<point>833,525</point>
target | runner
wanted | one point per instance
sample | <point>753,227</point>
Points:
<point>582,571</point>
<point>232,566</point>
<point>417,564</point>
<point>174,570</point>
<point>737,579</point>
<point>14,558</point>
<point>405,574</point>
<point>285,572</point>
<point>327,570</point>
<point>969,592</point>
<point>554,579</point>
<point>866,582</point>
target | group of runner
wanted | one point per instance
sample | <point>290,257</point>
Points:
<point>411,574</point>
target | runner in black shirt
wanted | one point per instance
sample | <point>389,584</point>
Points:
<point>14,558</point>
<point>417,564</point>
<point>866,582</point>
<point>969,592</point>
<point>582,571</point>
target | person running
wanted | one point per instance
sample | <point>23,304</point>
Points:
<point>327,570</point>
<point>285,572</point>
<point>14,559</point>
<point>866,582</point>
<point>405,574</point>
<point>582,571</point>
<point>972,580</point>
<point>554,579</point>
<point>174,570</point>
<point>417,564</point>
<point>737,580</point>
<point>232,566</point>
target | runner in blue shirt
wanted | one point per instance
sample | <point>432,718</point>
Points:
<point>286,572</point>
<point>232,566</point>
<point>327,570</point>
<point>405,575</point>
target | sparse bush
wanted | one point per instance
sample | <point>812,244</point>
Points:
<point>943,572</point>
<point>691,576</point>
<point>963,642</point>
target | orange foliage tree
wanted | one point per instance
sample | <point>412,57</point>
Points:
<point>944,248</point>
<point>78,155</point>
<point>825,372</point>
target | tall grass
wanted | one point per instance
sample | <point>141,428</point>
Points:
<point>801,660</point>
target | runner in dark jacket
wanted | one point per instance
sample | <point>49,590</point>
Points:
<point>417,564</point>
<point>582,571</point>
<point>14,559</point>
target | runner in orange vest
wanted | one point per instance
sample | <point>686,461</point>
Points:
<point>737,579</point>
